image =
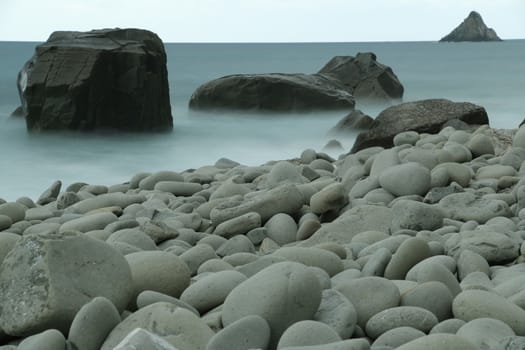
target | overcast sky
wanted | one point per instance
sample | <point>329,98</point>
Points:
<point>261,20</point>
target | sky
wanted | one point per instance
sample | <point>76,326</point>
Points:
<point>261,20</point>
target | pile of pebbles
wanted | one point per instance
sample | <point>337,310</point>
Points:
<point>415,247</point>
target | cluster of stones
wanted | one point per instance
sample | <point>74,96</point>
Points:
<point>419,246</point>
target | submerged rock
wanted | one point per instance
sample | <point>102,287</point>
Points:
<point>472,29</point>
<point>102,79</point>
<point>333,87</point>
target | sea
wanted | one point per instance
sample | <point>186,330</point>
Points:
<point>491,74</point>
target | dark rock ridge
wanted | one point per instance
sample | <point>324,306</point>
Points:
<point>364,77</point>
<point>472,29</point>
<point>333,87</point>
<point>102,79</point>
<point>425,116</point>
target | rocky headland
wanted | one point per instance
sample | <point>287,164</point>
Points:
<point>415,246</point>
<point>102,79</point>
<point>336,86</point>
<point>472,29</point>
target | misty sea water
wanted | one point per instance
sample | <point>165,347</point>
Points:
<point>491,74</point>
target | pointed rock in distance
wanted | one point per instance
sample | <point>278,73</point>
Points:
<point>472,29</point>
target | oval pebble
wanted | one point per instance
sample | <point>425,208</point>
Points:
<point>276,294</point>
<point>370,295</point>
<point>250,332</point>
<point>472,304</point>
<point>409,253</point>
<point>397,337</point>
<point>324,259</point>
<point>433,296</point>
<point>401,316</point>
<point>92,324</point>
<point>440,341</point>
<point>158,271</point>
<point>338,312</point>
<point>406,179</point>
<point>485,333</point>
<point>51,339</point>
<point>211,290</point>
<point>307,332</point>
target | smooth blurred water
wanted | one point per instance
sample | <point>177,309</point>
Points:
<point>489,74</point>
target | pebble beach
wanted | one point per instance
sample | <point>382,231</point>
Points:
<point>419,246</point>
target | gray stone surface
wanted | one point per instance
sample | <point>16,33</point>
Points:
<point>178,326</point>
<point>50,339</point>
<point>439,342</point>
<point>338,312</point>
<point>401,316</point>
<point>142,339</point>
<point>276,294</point>
<point>92,324</point>
<point>46,279</point>
<point>307,332</point>
<point>250,332</point>
<point>406,179</point>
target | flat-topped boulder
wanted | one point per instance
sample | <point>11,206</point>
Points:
<point>101,79</point>
<point>424,116</point>
<point>333,87</point>
<point>472,29</point>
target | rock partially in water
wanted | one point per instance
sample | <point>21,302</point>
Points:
<point>102,79</point>
<point>424,116</point>
<point>472,29</point>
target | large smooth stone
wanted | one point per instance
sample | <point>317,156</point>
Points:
<point>282,199</point>
<point>115,199</point>
<point>277,294</point>
<point>305,333</point>
<point>281,228</point>
<point>238,225</point>
<point>7,242</point>
<point>433,296</point>
<point>46,279</point>
<point>197,255</point>
<point>178,188</point>
<point>337,312</point>
<point>466,206</point>
<point>250,332</point>
<point>397,337</point>
<point>92,324</point>
<point>180,327</point>
<point>469,261</point>
<point>51,339</point>
<point>211,290</point>
<point>88,223</point>
<point>322,258</point>
<point>15,211</point>
<point>409,253</point>
<point>441,341</point>
<point>485,333</point>
<point>401,316</point>
<point>412,215</point>
<point>370,295</point>
<point>142,339</point>
<point>331,197</point>
<point>495,247</point>
<point>406,179</point>
<point>158,271</point>
<point>5,222</point>
<point>350,223</point>
<point>472,304</point>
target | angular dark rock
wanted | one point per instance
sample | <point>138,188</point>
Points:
<point>424,116</point>
<point>333,87</point>
<point>272,92</point>
<point>352,122</point>
<point>364,77</point>
<point>102,79</point>
<point>472,29</point>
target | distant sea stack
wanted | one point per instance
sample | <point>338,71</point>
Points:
<point>472,29</point>
<point>102,79</point>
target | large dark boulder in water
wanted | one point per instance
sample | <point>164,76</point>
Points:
<point>425,116</point>
<point>102,79</point>
<point>333,87</point>
<point>272,92</point>
<point>472,29</point>
<point>364,77</point>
